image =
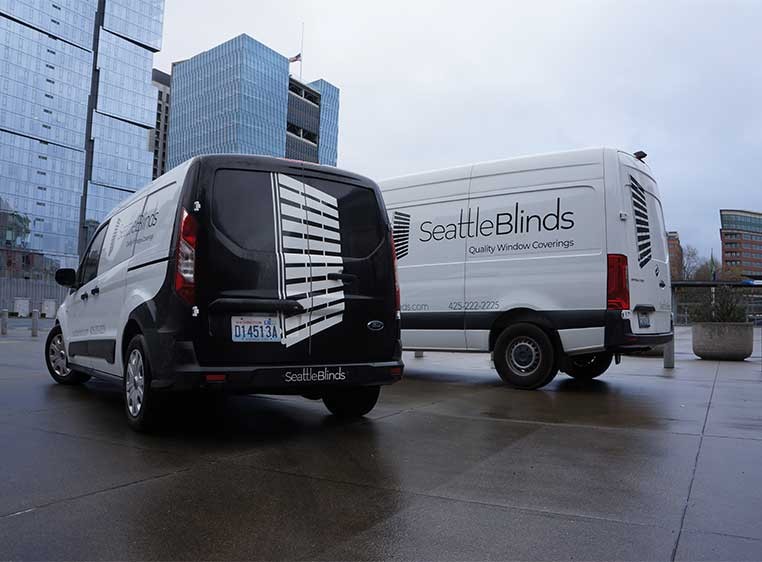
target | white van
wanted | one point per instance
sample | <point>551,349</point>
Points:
<point>555,261</point>
<point>242,273</point>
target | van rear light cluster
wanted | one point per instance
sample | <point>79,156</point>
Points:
<point>618,286</point>
<point>396,278</point>
<point>185,262</point>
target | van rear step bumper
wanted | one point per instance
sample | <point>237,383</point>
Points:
<point>619,336</point>
<point>281,379</point>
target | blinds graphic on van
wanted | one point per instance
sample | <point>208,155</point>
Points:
<point>642,225</point>
<point>401,233</point>
<point>309,250</point>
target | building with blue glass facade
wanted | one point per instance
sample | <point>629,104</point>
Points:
<point>76,112</point>
<point>741,235</point>
<point>239,98</point>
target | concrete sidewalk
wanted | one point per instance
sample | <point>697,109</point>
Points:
<point>642,464</point>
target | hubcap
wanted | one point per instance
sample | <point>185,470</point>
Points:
<point>57,356</point>
<point>135,383</point>
<point>523,355</point>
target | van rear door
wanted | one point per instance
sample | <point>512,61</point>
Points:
<point>647,256</point>
<point>305,250</point>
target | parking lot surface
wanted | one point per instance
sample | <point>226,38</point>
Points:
<point>642,464</point>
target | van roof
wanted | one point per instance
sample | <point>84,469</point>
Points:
<point>534,162</point>
<point>179,172</point>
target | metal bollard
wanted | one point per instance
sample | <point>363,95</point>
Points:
<point>669,354</point>
<point>4,322</point>
<point>35,322</point>
<point>418,354</point>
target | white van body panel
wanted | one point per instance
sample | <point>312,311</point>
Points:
<point>530,233</point>
<point>139,231</point>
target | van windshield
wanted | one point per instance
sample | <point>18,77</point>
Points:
<point>242,208</point>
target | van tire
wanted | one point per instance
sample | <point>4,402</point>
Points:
<point>140,402</point>
<point>525,356</point>
<point>57,361</point>
<point>587,367</point>
<point>348,403</point>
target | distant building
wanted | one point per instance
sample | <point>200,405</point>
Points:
<point>161,80</point>
<point>741,234</point>
<point>77,111</point>
<point>239,98</point>
<point>675,255</point>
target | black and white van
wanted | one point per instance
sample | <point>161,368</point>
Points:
<point>551,262</point>
<point>252,274</point>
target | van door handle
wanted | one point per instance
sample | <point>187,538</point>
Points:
<point>95,291</point>
<point>83,296</point>
<point>348,278</point>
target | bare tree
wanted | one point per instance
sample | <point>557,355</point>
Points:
<point>692,262</point>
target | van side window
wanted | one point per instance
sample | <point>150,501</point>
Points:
<point>120,239</point>
<point>90,264</point>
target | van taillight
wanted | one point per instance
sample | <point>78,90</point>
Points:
<point>618,286</point>
<point>185,266</point>
<point>396,278</point>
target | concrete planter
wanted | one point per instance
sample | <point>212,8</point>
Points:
<point>723,341</point>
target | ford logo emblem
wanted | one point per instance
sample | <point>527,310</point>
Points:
<point>375,325</point>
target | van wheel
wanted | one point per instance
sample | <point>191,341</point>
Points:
<point>139,400</point>
<point>351,402</point>
<point>57,362</point>
<point>525,356</point>
<point>587,367</point>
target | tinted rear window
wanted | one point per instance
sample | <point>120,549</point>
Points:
<point>359,216</point>
<point>243,210</point>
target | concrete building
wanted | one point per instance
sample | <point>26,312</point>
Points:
<point>161,80</point>
<point>741,235</point>
<point>675,255</point>
<point>78,109</point>
<point>239,98</point>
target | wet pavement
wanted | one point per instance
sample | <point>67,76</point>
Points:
<point>642,464</point>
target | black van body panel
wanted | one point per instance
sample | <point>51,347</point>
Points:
<point>186,343</point>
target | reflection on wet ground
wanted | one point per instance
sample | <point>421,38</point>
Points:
<point>641,464</point>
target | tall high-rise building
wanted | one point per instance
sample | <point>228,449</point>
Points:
<point>239,98</point>
<point>675,255</point>
<point>741,235</point>
<point>77,109</point>
<point>161,80</point>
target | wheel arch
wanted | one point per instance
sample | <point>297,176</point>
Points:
<point>139,321</point>
<point>524,315</point>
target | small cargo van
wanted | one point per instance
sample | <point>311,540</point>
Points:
<point>556,261</point>
<point>245,273</point>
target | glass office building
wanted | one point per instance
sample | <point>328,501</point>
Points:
<point>741,234</point>
<point>76,112</point>
<point>239,98</point>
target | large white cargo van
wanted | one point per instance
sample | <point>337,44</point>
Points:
<point>555,261</point>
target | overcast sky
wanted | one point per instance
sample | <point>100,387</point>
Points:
<point>432,84</point>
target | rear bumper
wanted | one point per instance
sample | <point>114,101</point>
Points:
<point>185,373</point>
<point>619,336</point>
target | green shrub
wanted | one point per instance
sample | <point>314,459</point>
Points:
<point>726,305</point>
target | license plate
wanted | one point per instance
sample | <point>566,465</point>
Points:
<point>259,328</point>
<point>644,319</point>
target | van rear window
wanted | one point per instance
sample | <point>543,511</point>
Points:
<point>243,210</point>
<point>359,216</point>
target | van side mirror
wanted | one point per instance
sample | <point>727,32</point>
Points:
<point>66,277</point>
